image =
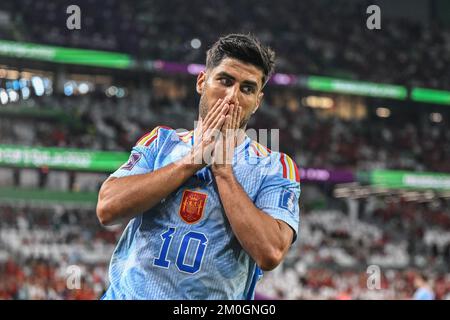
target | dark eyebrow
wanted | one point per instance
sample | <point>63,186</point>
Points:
<point>247,82</point>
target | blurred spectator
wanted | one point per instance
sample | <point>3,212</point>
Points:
<point>424,290</point>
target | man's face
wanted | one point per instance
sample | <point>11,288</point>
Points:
<point>234,80</point>
<point>418,282</point>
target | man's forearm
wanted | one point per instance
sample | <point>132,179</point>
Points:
<point>126,197</point>
<point>258,233</point>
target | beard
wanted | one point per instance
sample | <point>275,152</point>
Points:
<point>203,106</point>
<point>204,109</point>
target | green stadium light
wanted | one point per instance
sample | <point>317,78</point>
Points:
<point>65,55</point>
<point>397,179</point>
<point>430,96</point>
<point>61,158</point>
<point>357,87</point>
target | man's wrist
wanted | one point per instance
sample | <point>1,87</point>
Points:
<point>189,164</point>
<point>223,173</point>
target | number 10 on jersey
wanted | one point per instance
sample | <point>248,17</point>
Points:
<point>167,237</point>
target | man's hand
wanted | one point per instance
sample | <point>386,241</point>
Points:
<point>126,197</point>
<point>264,238</point>
<point>227,142</point>
<point>206,133</point>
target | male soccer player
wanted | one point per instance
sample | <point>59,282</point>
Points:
<point>199,227</point>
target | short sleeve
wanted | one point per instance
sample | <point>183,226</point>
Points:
<point>279,194</point>
<point>142,156</point>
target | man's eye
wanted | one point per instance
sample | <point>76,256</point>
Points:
<point>225,81</point>
<point>247,89</point>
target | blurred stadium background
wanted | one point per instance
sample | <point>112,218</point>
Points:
<point>364,113</point>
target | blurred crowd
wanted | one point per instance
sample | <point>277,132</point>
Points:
<point>340,250</point>
<point>42,279</point>
<point>329,284</point>
<point>53,253</point>
<point>343,46</point>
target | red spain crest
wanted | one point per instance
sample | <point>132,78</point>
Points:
<point>192,206</point>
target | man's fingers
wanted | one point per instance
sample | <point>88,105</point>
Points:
<point>232,130</point>
<point>226,126</point>
<point>218,122</point>
<point>228,145</point>
<point>219,119</point>
<point>214,131</point>
<point>214,107</point>
<point>234,126</point>
<point>229,119</point>
<point>235,117</point>
<point>219,107</point>
<point>238,117</point>
<point>213,120</point>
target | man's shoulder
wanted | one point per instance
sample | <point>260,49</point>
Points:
<point>152,136</point>
<point>279,162</point>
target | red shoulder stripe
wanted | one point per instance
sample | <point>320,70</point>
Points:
<point>283,163</point>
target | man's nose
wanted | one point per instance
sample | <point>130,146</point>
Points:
<point>233,94</point>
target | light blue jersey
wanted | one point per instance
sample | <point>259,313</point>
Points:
<point>184,247</point>
<point>424,293</point>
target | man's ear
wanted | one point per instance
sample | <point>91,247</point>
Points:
<point>201,78</point>
<point>258,101</point>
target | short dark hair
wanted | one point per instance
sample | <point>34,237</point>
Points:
<point>423,276</point>
<point>243,47</point>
